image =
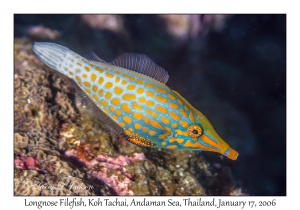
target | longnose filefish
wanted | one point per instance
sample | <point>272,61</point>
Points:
<point>131,97</point>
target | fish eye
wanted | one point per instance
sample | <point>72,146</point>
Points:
<point>195,131</point>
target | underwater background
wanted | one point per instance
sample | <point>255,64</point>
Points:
<point>232,68</point>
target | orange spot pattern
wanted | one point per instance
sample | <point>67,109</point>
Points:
<point>156,117</point>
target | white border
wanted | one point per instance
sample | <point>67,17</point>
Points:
<point>8,8</point>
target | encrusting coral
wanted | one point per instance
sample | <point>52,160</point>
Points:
<point>59,151</point>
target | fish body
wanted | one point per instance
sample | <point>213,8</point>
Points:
<point>138,103</point>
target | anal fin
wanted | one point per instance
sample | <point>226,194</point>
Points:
<point>88,107</point>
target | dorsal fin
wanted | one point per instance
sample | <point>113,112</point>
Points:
<point>93,57</point>
<point>88,107</point>
<point>142,64</point>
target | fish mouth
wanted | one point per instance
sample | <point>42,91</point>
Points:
<point>220,146</point>
<point>231,154</point>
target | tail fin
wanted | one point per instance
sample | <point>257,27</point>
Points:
<point>49,53</point>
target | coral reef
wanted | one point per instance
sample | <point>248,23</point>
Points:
<point>24,162</point>
<point>54,177</point>
<point>42,32</point>
<point>59,151</point>
<point>109,170</point>
<point>112,23</point>
<point>185,26</point>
